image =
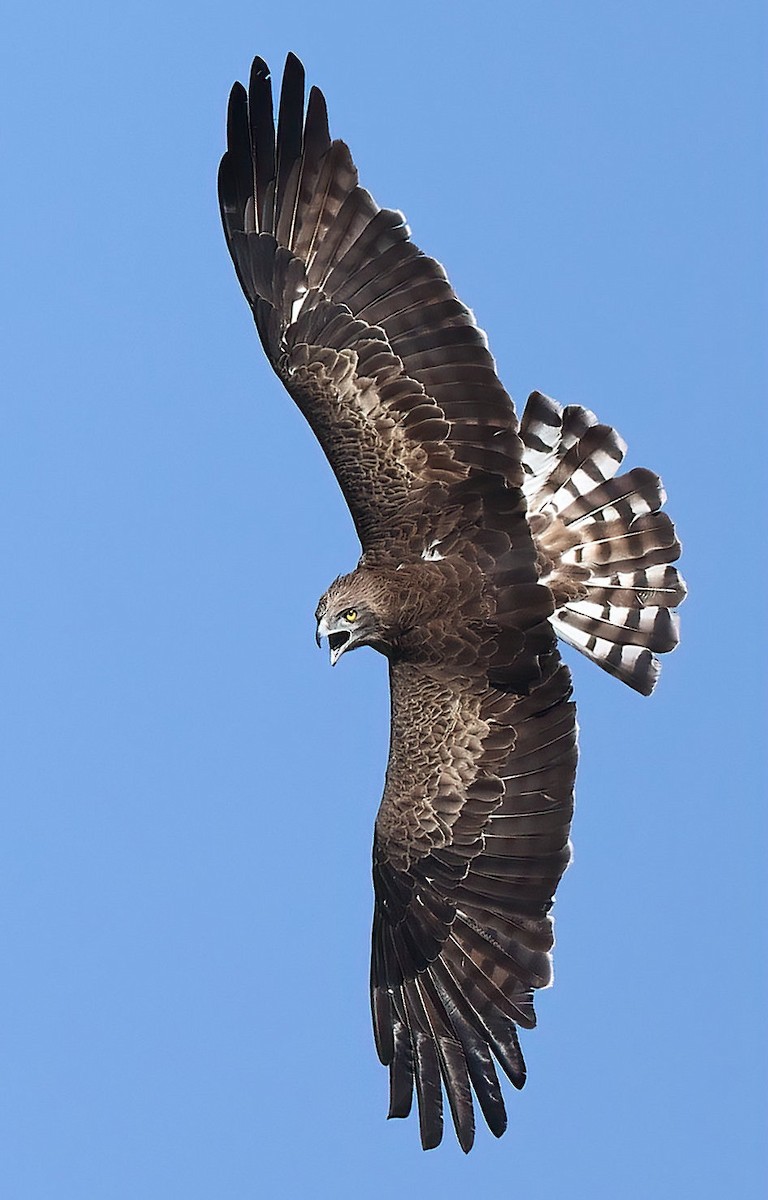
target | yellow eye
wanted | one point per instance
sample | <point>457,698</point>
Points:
<point>350,615</point>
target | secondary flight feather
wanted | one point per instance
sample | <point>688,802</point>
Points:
<point>483,540</point>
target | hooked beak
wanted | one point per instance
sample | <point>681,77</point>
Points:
<point>337,641</point>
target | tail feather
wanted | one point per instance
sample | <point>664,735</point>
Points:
<point>658,585</point>
<point>648,540</point>
<point>630,495</point>
<point>595,457</point>
<point>655,628</point>
<point>604,547</point>
<point>632,665</point>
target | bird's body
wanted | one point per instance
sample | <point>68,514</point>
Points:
<point>483,541</point>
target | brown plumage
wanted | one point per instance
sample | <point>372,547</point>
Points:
<point>481,541</point>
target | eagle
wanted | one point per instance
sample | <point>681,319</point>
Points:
<point>484,539</point>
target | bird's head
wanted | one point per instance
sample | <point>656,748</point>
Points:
<point>348,616</point>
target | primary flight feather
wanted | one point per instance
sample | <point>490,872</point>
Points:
<point>483,540</point>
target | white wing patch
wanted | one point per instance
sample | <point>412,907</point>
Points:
<point>298,304</point>
<point>432,552</point>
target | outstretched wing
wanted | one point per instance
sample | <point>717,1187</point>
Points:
<point>365,331</point>
<point>471,842</point>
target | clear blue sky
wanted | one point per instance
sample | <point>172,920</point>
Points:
<point>188,791</point>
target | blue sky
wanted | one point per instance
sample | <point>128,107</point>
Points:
<point>188,790</point>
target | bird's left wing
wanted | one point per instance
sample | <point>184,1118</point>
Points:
<point>471,841</point>
<point>365,331</point>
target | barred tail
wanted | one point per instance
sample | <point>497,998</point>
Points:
<point>604,547</point>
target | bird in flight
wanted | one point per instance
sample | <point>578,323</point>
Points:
<point>484,540</point>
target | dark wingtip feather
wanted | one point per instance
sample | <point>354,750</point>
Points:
<point>401,1072</point>
<point>262,140</point>
<point>316,130</point>
<point>293,84</point>
<point>456,1078</point>
<point>290,119</point>
<point>429,1092</point>
<point>236,106</point>
<point>234,181</point>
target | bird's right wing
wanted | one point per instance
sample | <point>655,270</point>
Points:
<point>365,331</point>
<point>471,842</point>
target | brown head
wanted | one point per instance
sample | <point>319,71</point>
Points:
<point>357,610</point>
